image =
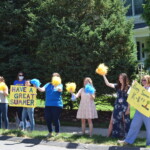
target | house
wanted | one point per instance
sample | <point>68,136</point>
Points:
<point>141,30</point>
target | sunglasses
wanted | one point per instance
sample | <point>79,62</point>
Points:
<point>143,80</point>
<point>20,75</point>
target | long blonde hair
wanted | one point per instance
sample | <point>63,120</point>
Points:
<point>147,78</point>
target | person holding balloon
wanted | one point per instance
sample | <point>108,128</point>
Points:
<point>54,103</point>
<point>3,103</point>
<point>87,109</point>
<point>120,119</point>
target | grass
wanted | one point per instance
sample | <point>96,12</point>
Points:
<point>40,103</point>
<point>68,137</point>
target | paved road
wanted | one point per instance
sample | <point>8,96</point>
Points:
<point>10,145</point>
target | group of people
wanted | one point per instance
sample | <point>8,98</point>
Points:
<point>24,116</point>
<point>119,126</point>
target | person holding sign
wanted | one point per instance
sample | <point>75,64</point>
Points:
<point>138,120</point>
<point>53,104</point>
<point>120,120</point>
<point>87,109</point>
<point>21,82</point>
<point>28,111</point>
<point>3,102</point>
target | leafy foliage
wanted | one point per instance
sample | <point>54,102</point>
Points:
<point>66,36</point>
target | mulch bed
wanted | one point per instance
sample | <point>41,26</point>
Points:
<point>66,116</point>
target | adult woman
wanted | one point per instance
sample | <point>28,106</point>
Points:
<point>87,109</point>
<point>120,119</point>
<point>53,104</point>
<point>138,120</point>
<point>3,102</point>
<point>20,82</point>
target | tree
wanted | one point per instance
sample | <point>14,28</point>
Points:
<point>67,36</point>
<point>15,46</point>
<point>78,35</point>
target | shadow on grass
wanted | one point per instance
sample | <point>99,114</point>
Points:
<point>72,139</point>
<point>17,133</point>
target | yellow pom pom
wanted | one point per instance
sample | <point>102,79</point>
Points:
<point>102,69</point>
<point>2,86</point>
<point>71,87</point>
<point>56,81</point>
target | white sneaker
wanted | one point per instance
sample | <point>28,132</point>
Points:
<point>28,125</point>
<point>21,124</point>
<point>49,135</point>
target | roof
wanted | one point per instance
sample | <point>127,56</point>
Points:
<point>140,25</point>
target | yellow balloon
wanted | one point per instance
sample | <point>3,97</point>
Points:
<point>71,87</point>
<point>102,69</point>
<point>2,86</point>
<point>56,81</point>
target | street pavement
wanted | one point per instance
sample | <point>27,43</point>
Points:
<point>11,145</point>
<point>19,143</point>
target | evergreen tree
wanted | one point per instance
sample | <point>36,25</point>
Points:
<point>78,35</point>
<point>67,36</point>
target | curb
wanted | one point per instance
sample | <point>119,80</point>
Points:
<point>68,145</point>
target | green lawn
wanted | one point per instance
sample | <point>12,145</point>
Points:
<point>68,137</point>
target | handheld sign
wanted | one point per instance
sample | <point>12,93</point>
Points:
<point>139,98</point>
<point>22,96</point>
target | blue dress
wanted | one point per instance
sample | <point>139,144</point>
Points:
<point>121,122</point>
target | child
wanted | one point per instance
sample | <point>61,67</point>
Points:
<point>87,109</point>
<point>28,111</point>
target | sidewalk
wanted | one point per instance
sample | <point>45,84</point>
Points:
<point>68,129</point>
<point>69,145</point>
<point>66,145</point>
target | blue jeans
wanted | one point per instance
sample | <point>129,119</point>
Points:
<point>52,114</point>
<point>135,128</point>
<point>19,113</point>
<point>30,113</point>
<point>4,114</point>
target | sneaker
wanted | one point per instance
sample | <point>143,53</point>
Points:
<point>49,135</point>
<point>56,134</point>
<point>122,142</point>
<point>21,124</point>
<point>28,125</point>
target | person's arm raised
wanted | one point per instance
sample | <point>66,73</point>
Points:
<point>108,83</point>
<point>41,89</point>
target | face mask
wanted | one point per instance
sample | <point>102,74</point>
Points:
<point>21,77</point>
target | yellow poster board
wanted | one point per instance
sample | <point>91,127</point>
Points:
<point>139,98</point>
<point>22,96</point>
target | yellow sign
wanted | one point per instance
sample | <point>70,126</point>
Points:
<point>22,96</point>
<point>139,98</point>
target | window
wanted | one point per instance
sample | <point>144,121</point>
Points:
<point>138,51</point>
<point>135,7</point>
<point>129,4</point>
<point>143,54</point>
<point>138,8</point>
